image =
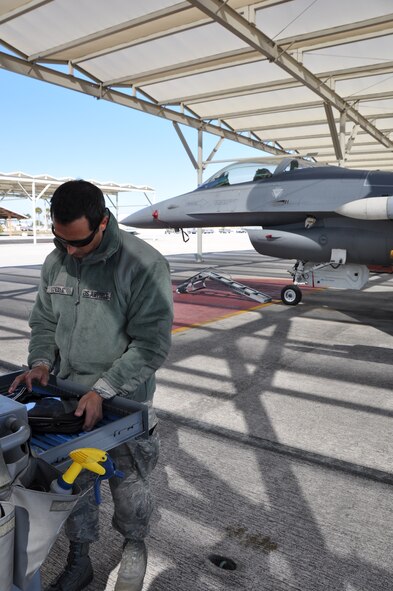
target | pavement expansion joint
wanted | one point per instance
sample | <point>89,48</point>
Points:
<point>299,454</point>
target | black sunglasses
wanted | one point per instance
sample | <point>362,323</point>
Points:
<point>76,243</point>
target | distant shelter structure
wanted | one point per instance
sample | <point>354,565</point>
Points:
<point>9,216</point>
<point>19,185</point>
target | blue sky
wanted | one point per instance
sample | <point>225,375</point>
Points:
<point>51,130</point>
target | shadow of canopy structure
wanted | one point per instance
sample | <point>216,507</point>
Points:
<point>18,185</point>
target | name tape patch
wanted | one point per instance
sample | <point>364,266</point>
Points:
<point>96,295</point>
<point>60,290</point>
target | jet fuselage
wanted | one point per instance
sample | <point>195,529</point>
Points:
<point>348,209</point>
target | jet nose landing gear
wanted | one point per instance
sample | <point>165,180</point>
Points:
<point>291,295</point>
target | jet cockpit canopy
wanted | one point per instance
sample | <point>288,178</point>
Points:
<point>253,171</point>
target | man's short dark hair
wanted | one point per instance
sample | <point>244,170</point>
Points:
<point>75,199</point>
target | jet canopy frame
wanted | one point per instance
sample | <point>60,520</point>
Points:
<point>251,171</point>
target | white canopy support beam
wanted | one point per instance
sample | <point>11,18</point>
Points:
<point>185,145</point>
<point>199,253</point>
<point>34,214</point>
<point>342,136</point>
<point>81,45</point>
<point>352,138</point>
<point>299,106</point>
<point>20,66</point>
<point>214,151</point>
<point>333,131</point>
<point>114,204</point>
<point>22,9</point>
<point>283,84</point>
<point>199,167</point>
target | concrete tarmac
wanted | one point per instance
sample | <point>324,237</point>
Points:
<point>275,472</point>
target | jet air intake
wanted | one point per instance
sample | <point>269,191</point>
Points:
<point>369,208</point>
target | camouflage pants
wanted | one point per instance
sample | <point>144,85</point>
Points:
<point>131,495</point>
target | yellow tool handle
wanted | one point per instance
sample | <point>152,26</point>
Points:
<point>72,472</point>
<point>94,467</point>
<point>83,455</point>
<point>87,458</point>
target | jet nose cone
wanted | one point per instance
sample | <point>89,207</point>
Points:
<point>144,218</point>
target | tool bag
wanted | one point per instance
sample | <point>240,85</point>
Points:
<point>31,514</point>
<point>7,532</point>
<point>39,516</point>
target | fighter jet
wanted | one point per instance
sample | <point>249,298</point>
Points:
<point>336,222</point>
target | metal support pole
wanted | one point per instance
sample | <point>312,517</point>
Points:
<point>199,255</point>
<point>343,120</point>
<point>333,131</point>
<point>33,197</point>
<point>199,168</point>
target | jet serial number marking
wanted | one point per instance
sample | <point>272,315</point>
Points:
<point>197,203</point>
<point>224,201</point>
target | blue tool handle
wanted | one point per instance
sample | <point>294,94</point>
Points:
<point>110,470</point>
<point>98,480</point>
<point>97,490</point>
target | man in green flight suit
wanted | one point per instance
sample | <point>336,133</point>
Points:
<point>103,318</point>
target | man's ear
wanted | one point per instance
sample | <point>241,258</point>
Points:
<point>104,222</point>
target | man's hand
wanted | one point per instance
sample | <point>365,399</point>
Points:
<point>91,405</point>
<point>39,373</point>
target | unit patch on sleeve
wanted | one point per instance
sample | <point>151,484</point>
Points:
<point>96,295</point>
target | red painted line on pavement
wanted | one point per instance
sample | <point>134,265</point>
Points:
<point>217,301</point>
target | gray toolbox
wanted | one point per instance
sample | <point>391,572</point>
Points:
<point>123,420</point>
<point>19,450</point>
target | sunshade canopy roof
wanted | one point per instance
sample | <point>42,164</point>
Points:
<point>310,76</point>
<point>19,184</point>
<point>7,214</point>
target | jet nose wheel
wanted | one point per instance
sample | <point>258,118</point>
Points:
<point>291,295</point>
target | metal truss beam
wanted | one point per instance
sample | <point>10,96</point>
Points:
<point>333,131</point>
<point>309,41</point>
<point>147,27</point>
<point>284,84</point>
<point>80,50</point>
<point>7,15</point>
<point>44,74</point>
<point>279,108</point>
<point>220,12</point>
<point>195,66</point>
<point>288,124</point>
<point>103,36</point>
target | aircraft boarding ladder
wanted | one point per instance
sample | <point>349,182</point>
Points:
<point>198,281</point>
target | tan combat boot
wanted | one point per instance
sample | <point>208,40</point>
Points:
<point>132,567</point>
